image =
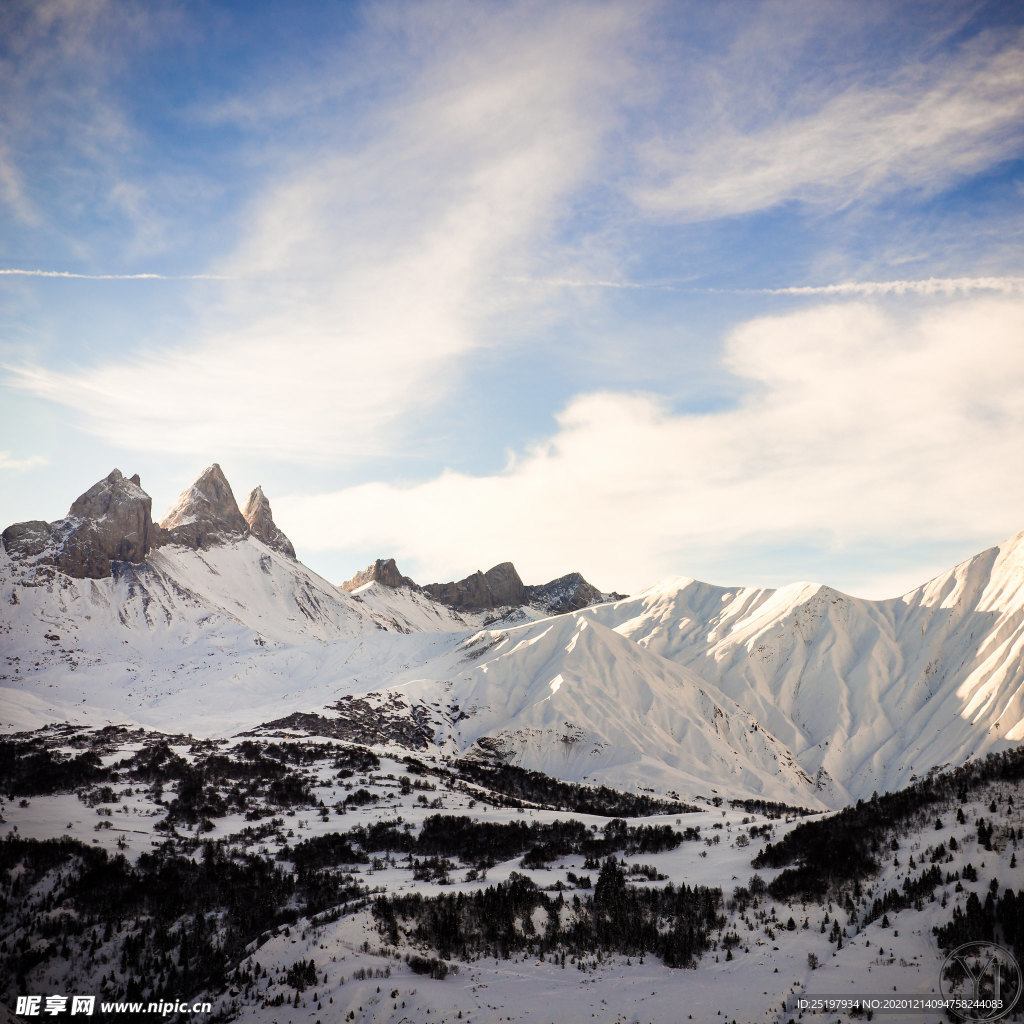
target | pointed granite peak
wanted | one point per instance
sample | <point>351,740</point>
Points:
<point>261,523</point>
<point>109,522</point>
<point>205,514</point>
<point>383,571</point>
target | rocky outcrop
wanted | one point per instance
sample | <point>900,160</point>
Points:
<point>499,587</point>
<point>566,594</point>
<point>206,514</point>
<point>383,571</point>
<point>30,540</point>
<point>261,523</point>
<point>112,521</point>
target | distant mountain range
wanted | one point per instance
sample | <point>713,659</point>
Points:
<point>207,622</point>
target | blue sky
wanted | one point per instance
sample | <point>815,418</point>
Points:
<point>727,290</point>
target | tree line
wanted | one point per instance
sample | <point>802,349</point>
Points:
<point>672,922</point>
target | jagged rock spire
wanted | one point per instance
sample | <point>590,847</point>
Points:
<point>258,515</point>
<point>205,514</point>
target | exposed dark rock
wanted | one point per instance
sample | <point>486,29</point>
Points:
<point>206,514</point>
<point>566,594</point>
<point>383,571</point>
<point>110,522</point>
<point>386,720</point>
<point>499,587</point>
<point>28,540</point>
<point>117,525</point>
<point>261,523</point>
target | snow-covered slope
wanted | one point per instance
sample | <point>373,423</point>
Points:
<point>873,691</point>
<point>219,640</point>
<point>406,610</point>
<point>801,694</point>
<point>206,640</point>
<point>269,594</point>
<point>572,698</point>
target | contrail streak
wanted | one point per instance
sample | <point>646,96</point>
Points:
<point>10,272</point>
<point>929,286</point>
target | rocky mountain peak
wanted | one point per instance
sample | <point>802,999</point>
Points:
<point>106,496</point>
<point>568,593</point>
<point>258,515</point>
<point>111,521</point>
<point>499,587</point>
<point>204,514</point>
<point>384,571</point>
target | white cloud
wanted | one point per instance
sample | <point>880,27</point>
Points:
<point>932,124</point>
<point>9,462</point>
<point>858,427</point>
<point>369,268</point>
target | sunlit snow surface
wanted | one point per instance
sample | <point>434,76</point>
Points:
<point>874,691</point>
<point>802,694</point>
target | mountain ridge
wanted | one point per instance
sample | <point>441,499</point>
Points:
<point>219,629</point>
<point>500,588</point>
<point>845,682</point>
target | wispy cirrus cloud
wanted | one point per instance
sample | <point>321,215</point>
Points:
<point>372,265</point>
<point>72,169</point>
<point>583,283</point>
<point>928,126</point>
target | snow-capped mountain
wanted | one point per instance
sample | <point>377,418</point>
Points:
<point>571,698</point>
<point>874,692</point>
<point>208,623</point>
